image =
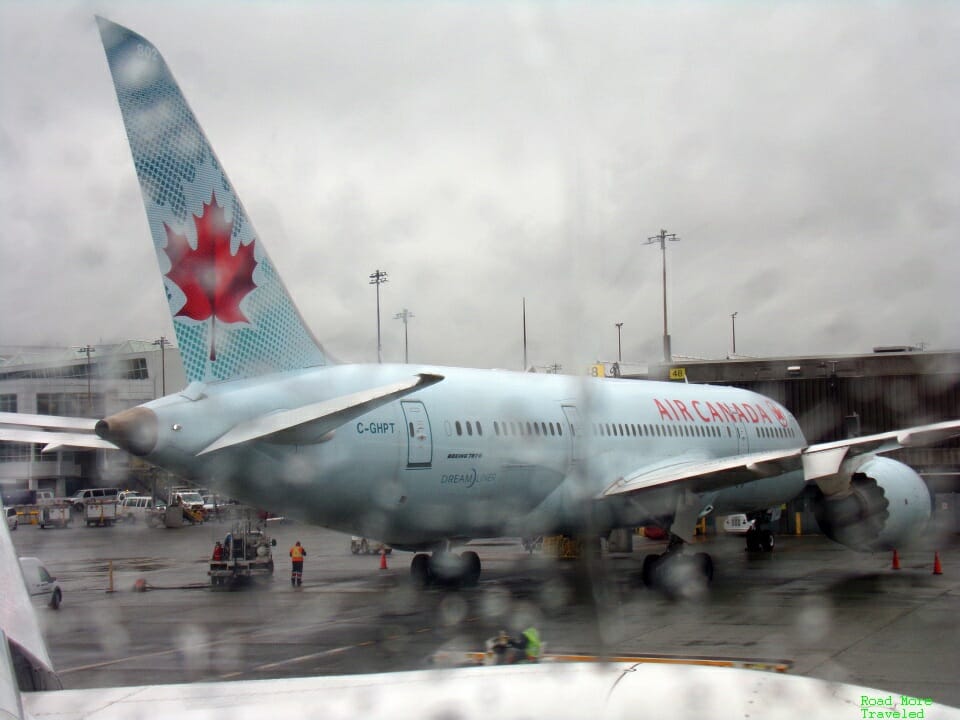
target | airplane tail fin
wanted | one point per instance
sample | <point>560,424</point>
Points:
<point>232,314</point>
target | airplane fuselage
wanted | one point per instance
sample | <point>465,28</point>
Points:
<point>481,453</point>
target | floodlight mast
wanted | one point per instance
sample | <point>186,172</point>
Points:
<point>405,315</point>
<point>662,239</point>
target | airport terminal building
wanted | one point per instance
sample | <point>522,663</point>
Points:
<point>839,396</point>
<point>81,382</point>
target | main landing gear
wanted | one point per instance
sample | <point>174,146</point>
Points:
<point>445,568</point>
<point>677,573</point>
<point>759,540</point>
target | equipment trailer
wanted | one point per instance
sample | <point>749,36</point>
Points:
<point>247,558</point>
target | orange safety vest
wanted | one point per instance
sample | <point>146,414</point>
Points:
<point>297,552</point>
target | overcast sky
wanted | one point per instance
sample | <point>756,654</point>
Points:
<point>806,154</point>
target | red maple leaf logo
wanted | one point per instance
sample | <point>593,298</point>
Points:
<point>214,280</point>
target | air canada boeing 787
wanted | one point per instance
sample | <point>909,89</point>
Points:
<point>425,457</point>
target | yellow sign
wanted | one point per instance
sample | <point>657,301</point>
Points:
<point>678,373</point>
<point>597,370</point>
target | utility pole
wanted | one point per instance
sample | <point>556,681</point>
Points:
<point>524,368</point>
<point>733,330</point>
<point>619,346</point>
<point>378,277</point>
<point>88,349</point>
<point>162,342</point>
<point>662,239</point>
<point>405,315</point>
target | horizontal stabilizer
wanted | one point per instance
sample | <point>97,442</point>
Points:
<point>48,422</point>
<point>51,431</point>
<point>307,424</point>
<point>51,440</point>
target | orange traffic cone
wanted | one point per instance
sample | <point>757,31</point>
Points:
<point>937,569</point>
<point>383,560</point>
<point>896,561</point>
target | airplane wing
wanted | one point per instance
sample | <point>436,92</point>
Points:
<point>311,422</point>
<point>706,475</point>
<point>575,690</point>
<point>817,461</point>
<point>51,431</point>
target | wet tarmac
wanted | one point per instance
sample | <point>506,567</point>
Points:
<point>833,613</point>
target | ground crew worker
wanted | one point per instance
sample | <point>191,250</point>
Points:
<point>531,644</point>
<point>218,552</point>
<point>297,554</point>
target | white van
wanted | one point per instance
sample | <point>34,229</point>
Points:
<point>41,585</point>
<point>79,499</point>
<point>138,508</point>
<point>12,520</point>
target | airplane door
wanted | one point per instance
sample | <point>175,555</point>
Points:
<point>573,430</point>
<point>419,437</point>
<point>743,445</point>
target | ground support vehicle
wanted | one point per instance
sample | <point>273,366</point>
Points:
<point>365,546</point>
<point>55,514</point>
<point>100,512</point>
<point>141,508</point>
<point>41,585</point>
<point>247,558</point>
<point>189,501</point>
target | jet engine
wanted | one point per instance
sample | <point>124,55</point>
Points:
<point>886,506</point>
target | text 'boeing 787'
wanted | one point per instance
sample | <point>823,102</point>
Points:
<point>425,457</point>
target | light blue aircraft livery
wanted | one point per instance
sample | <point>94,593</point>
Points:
<point>426,457</point>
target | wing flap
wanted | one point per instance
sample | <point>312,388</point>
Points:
<point>309,423</point>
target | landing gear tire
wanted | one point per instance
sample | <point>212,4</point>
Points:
<point>760,541</point>
<point>420,570</point>
<point>705,563</point>
<point>649,572</point>
<point>471,568</point>
<point>678,575</point>
<point>766,541</point>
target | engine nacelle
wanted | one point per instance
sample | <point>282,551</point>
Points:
<point>887,507</point>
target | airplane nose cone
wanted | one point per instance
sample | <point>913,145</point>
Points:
<point>134,430</point>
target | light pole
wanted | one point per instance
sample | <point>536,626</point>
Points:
<point>733,330</point>
<point>662,239</point>
<point>162,342</point>
<point>378,277</point>
<point>88,349</point>
<point>619,346</point>
<point>405,315</point>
